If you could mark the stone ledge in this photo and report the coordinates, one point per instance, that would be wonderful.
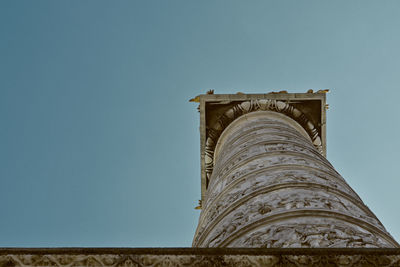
(199, 257)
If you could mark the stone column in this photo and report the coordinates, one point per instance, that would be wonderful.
(271, 187)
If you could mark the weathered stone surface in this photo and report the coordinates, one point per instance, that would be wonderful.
(198, 257)
(270, 186)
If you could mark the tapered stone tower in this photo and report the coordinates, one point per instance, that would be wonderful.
(265, 179)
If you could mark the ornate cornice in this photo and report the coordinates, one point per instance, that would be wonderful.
(215, 131)
(199, 257)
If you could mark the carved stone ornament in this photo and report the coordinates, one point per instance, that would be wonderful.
(245, 107)
(272, 187)
(200, 257)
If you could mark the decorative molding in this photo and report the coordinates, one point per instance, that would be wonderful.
(199, 257)
(215, 131)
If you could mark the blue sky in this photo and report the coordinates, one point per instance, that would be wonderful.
(99, 144)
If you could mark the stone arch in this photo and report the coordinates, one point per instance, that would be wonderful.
(215, 131)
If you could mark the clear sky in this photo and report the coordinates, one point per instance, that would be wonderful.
(99, 145)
